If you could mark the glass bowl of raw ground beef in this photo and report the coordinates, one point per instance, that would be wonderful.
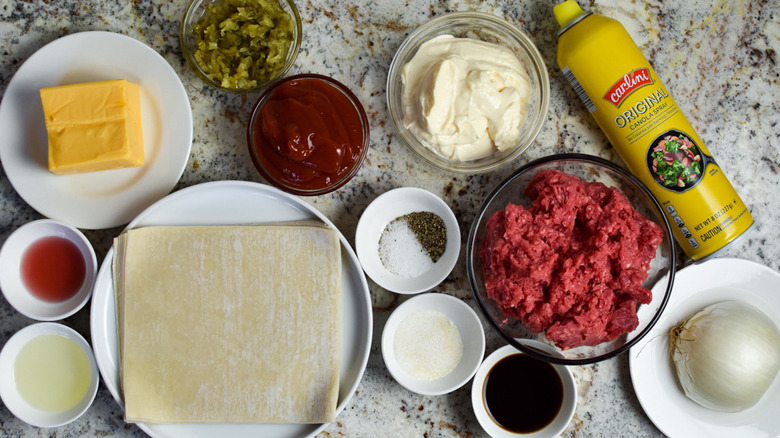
(565, 251)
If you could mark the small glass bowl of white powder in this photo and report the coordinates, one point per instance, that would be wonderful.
(408, 240)
(433, 343)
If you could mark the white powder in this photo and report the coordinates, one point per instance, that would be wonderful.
(427, 345)
(400, 251)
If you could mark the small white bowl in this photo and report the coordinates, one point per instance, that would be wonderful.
(388, 207)
(11, 281)
(471, 334)
(9, 391)
(558, 424)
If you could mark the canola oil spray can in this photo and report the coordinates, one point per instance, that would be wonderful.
(649, 131)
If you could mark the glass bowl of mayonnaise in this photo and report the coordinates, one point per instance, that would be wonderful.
(468, 92)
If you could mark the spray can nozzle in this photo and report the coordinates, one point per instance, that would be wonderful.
(566, 12)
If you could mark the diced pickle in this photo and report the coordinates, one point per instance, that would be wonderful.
(241, 43)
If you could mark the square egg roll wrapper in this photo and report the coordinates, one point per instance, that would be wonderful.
(229, 324)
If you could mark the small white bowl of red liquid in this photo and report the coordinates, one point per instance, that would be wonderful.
(433, 343)
(47, 270)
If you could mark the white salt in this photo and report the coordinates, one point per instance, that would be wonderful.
(427, 345)
(400, 251)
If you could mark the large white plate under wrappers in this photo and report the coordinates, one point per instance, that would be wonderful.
(232, 203)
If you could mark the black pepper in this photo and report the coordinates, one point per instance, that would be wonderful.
(430, 230)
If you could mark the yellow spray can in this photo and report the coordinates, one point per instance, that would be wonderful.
(649, 131)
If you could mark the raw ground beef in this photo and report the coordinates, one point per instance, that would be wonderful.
(573, 264)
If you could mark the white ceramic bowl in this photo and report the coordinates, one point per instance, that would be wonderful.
(388, 207)
(8, 388)
(14, 288)
(558, 424)
(471, 333)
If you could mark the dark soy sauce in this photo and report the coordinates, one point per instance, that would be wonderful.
(523, 394)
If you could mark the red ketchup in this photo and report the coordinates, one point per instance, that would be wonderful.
(308, 134)
(53, 269)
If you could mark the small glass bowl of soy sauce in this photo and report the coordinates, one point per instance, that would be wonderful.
(514, 394)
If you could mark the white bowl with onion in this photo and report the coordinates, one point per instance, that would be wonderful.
(433, 343)
(711, 371)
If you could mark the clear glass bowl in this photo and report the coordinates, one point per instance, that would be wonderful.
(198, 8)
(590, 169)
(305, 189)
(485, 27)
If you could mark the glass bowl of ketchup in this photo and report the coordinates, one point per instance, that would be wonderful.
(308, 135)
(47, 270)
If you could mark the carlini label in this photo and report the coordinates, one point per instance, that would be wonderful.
(629, 83)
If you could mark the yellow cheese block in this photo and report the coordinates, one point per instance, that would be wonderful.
(93, 126)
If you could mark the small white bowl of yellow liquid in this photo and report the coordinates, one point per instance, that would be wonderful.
(48, 375)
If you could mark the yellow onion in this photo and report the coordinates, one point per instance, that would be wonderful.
(726, 355)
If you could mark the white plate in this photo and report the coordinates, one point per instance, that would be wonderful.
(99, 199)
(224, 203)
(653, 374)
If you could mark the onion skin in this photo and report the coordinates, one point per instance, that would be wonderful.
(726, 355)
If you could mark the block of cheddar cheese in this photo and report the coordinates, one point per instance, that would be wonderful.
(93, 126)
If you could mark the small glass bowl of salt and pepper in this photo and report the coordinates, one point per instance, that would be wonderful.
(408, 240)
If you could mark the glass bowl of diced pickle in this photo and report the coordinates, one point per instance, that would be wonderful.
(240, 46)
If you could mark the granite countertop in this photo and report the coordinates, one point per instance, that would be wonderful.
(719, 58)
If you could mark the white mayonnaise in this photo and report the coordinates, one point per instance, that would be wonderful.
(464, 98)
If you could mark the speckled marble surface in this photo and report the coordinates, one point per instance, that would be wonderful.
(719, 58)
